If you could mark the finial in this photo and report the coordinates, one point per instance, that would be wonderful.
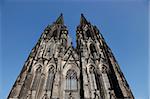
(60, 19)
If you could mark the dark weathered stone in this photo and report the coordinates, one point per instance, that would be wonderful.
(57, 70)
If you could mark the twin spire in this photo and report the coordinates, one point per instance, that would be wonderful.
(60, 20)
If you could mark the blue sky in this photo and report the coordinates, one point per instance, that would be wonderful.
(124, 25)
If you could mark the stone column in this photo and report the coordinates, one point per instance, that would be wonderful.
(33, 94)
(86, 85)
(55, 90)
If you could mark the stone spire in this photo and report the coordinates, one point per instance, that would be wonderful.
(83, 20)
(60, 19)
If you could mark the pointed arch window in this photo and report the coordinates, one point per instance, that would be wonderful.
(92, 77)
(50, 78)
(41, 50)
(71, 80)
(36, 78)
(96, 81)
(93, 50)
(49, 51)
(88, 33)
(55, 33)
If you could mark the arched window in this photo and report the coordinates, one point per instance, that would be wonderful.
(93, 50)
(71, 80)
(96, 81)
(50, 78)
(55, 34)
(49, 51)
(36, 78)
(41, 50)
(88, 34)
(92, 77)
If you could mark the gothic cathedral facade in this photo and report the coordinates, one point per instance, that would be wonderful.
(57, 70)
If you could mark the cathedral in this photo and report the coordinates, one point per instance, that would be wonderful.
(57, 70)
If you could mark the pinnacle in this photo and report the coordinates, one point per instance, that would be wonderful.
(60, 19)
(83, 19)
